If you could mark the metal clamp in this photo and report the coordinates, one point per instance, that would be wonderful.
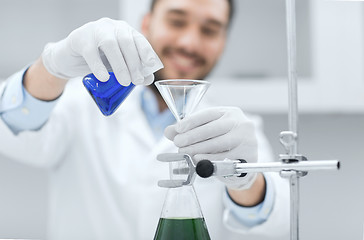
(286, 158)
(288, 139)
(189, 170)
(231, 167)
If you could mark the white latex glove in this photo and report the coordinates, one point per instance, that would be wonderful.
(99, 45)
(215, 134)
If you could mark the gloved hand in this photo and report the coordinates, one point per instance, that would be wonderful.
(215, 134)
(96, 46)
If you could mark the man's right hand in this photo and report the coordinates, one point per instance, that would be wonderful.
(99, 45)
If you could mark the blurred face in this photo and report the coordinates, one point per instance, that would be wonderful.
(188, 36)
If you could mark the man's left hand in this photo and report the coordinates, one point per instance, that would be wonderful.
(216, 134)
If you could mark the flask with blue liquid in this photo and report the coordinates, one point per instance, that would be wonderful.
(107, 95)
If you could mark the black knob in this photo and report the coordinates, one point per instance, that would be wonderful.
(205, 168)
(243, 174)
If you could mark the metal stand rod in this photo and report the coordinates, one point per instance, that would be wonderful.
(295, 196)
(293, 114)
(292, 71)
(206, 168)
(280, 166)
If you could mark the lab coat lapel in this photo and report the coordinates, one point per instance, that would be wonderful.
(139, 127)
(141, 130)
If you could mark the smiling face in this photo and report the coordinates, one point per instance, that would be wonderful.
(188, 36)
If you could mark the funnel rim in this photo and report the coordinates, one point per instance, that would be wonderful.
(160, 82)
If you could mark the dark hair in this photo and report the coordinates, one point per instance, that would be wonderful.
(230, 2)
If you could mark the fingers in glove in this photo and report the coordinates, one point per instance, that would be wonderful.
(201, 133)
(149, 79)
(93, 60)
(239, 183)
(114, 56)
(218, 144)
(170, 132)
(197, 119)
(248, 153)
(150, 60)
(130, 54)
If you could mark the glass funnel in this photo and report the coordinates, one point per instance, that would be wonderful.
(182, 95)
(181, 217)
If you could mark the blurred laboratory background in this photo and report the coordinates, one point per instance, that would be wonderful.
(252, 75)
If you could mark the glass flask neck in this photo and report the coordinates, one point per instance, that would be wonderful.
(181, 202)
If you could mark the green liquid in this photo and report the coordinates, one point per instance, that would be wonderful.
(182, 229)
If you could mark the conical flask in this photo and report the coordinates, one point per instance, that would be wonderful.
(107, 95)
(181, 217)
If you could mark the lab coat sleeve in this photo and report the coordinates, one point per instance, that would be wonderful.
(253, 216)
(41, 148)
(21, 111)
(277, 223)
(273, 213)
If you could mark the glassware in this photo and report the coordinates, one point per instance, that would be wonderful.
(107, 95)
(181, 217)
(182, 95)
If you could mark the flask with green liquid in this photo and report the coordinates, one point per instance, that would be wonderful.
(181, 217)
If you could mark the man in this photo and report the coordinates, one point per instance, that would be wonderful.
(103, 171)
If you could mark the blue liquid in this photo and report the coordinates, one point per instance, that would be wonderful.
(107, 95)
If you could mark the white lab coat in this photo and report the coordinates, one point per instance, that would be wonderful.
(103, 174)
